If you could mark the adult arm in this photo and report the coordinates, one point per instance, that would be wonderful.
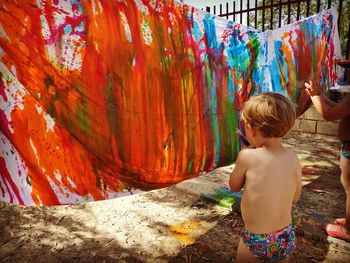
(329, 102)
(329, 111)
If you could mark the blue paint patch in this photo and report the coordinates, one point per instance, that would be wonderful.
(275, 70)
(210, 31)
(79, 6)
(231, 88)
(80, 28)
(68, 29)
(197, 33)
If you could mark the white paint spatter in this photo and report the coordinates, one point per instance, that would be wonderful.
(50, 122)
(158, 6)
(18, 171)
(126, 27)
(96, 7)
(3, 34)
(70, 43)
(14, 92)
(146, 33)
(64, 194)
(36, 155)
(140, 6)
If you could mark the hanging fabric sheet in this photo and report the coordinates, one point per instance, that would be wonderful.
(99, 98)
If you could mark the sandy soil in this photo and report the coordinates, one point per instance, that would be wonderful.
(171, 225)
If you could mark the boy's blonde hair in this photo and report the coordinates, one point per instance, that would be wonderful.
(271, 113)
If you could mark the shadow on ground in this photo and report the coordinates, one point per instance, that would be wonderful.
(130, 229)
(39, 236)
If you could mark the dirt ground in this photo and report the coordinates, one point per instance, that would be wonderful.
(173, 225)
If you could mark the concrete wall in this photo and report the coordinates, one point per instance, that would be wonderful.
(312, 122)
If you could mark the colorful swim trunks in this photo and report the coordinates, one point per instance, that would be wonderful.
(345, 150)
(271, 247)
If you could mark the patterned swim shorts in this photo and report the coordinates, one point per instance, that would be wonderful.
(271, 247)
(345, 150)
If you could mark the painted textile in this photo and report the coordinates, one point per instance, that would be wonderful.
(98, 98)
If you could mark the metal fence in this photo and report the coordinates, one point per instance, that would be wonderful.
(270, 14)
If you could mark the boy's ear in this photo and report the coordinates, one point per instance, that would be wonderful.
(252, 129)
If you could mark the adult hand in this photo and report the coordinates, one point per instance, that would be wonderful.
(313, 88)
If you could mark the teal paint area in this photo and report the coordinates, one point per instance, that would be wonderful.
(223, 197)
(277, 68)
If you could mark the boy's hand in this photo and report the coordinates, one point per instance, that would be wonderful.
(313, 88)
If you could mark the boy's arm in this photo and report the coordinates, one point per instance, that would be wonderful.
(298, 189)
(237, 177)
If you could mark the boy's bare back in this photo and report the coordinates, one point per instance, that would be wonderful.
(272, 184)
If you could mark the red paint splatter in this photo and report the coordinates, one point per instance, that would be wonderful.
(6, 178)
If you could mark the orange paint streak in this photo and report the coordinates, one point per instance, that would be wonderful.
(55, 151)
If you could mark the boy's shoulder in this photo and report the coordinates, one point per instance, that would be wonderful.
(292, 157)
(248, 153)
(291, 152)
(258, 151)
